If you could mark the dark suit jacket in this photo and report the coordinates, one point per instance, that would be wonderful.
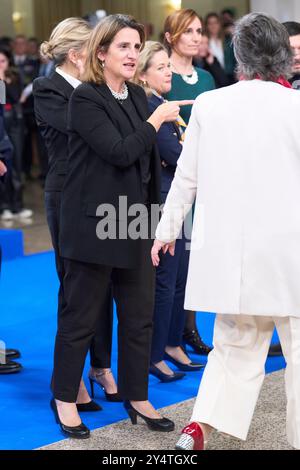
(51, 100)
(104, 163)
(6, 148)
(169, 147)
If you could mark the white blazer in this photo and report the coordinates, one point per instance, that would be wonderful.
(241, 163)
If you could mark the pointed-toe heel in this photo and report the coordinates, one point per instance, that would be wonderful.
(75, 432)
(90, 406)
(156, 372)
(191, 438)
(192, 367)
(160, 424)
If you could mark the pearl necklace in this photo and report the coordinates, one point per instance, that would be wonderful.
(120, 96)
(189, 79)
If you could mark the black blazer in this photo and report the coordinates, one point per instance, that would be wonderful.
(104, 163)
(51, 100)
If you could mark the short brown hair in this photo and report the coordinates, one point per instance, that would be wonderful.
(176, 24)
(100, 40)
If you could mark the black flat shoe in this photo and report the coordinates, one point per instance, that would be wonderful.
(75, 432)
(160, 424)
(193, 339)
(153, 370)
(12, 354)
(275, 350)
(193, 366)
(90, 406)
(112, 397)
(10, 367)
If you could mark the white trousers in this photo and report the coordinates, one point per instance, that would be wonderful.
(235, 372)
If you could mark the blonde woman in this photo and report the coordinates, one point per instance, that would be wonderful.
(67, 47)
(154, 72)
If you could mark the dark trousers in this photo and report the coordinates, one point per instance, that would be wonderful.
(13, 190)
(169, 313)
(85, 291)
(100, 351)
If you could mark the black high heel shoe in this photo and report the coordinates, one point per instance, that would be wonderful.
(112, 397)
(185, 367)
(76, 432)
(160, 424)
(90, 406)
(153, 370)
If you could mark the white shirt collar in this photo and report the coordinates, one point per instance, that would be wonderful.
(74, 82)
(19, 59)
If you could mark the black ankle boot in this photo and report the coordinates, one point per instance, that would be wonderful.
(193, 339)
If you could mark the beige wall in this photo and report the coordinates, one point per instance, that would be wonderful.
(6, 24)
(137, 8)
(39, 16)
(26, 24)
(205, 6)
(287, 10)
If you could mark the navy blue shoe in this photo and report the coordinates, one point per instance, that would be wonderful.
(193, 366)
(153, 370)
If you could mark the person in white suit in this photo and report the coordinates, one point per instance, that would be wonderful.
(245, 248)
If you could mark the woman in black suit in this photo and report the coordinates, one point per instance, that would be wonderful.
(113, 162)
(67, 46)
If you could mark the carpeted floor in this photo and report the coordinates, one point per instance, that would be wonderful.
(267, 431)
(28, 292)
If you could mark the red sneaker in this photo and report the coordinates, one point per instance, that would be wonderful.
(191, 438)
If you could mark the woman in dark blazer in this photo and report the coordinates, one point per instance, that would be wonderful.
(51, 98)
(154, 72)
(113, 163)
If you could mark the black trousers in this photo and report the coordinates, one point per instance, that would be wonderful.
(169, 313)
(85, 291)
(101, 344)
(13, 191)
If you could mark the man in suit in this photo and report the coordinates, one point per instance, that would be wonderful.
(28, 68)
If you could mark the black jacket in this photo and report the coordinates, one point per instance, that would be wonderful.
(51, 100)
(104, 163)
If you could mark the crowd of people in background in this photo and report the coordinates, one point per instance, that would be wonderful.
(21, 63)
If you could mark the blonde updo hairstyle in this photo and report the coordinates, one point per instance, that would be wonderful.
(144, 62)
(71, 33)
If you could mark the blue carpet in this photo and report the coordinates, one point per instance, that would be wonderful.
(28, 321)
(11, 242)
